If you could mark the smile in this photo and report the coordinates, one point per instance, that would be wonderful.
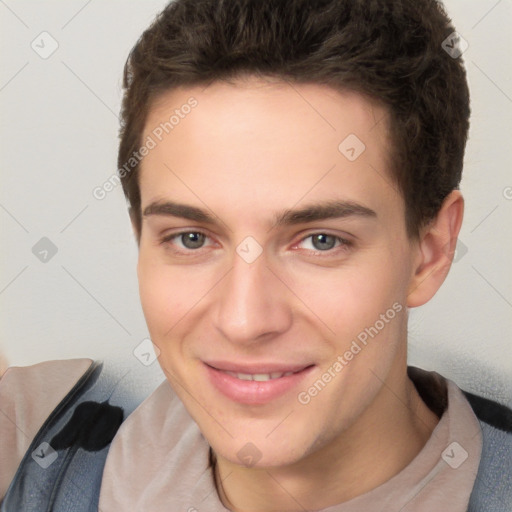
(260, 377)
(257, 387)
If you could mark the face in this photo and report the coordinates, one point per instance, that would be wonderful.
(274, 263)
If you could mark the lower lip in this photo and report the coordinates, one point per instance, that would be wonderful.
(253, 392)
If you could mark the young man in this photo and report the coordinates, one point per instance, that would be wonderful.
(292, 173)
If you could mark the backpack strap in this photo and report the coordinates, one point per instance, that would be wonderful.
(492, 491)
(63, 468)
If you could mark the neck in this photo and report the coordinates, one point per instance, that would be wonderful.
(382, 442)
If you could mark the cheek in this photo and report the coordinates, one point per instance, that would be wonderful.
(349, 298)
(170, 294)
(164, 302)
(161, 303)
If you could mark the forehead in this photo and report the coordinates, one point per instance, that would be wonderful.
(250, 104)
(274, 141)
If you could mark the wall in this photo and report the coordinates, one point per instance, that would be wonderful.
(58, 142)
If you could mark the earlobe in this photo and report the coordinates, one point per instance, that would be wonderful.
(436, 248)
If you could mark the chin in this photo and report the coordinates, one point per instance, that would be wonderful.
(256, 454)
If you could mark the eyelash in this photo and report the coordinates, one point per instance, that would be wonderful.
(344, 244)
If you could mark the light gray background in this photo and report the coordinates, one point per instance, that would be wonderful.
(59, 141)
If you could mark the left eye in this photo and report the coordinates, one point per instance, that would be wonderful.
(322, 242)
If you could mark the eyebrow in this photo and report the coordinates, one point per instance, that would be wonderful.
(183, 211)
(311, 213)
(323, 211)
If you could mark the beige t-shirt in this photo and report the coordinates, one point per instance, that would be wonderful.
(159, 460)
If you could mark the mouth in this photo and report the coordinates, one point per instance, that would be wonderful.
(260, 377)
(255, 384)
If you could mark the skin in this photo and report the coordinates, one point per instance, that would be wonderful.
(248, 151)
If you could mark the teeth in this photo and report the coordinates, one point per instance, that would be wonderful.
(260, 377)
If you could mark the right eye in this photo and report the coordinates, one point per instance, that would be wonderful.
(186, 241)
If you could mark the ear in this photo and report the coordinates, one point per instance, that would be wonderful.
(436, 248)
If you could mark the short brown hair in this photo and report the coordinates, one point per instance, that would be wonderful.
(388, 50)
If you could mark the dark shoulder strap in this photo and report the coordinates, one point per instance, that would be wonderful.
(63, 467)
(497, 415)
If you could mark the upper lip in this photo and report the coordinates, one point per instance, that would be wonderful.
(253, 368)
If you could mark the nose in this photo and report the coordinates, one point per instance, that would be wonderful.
(252, 303)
